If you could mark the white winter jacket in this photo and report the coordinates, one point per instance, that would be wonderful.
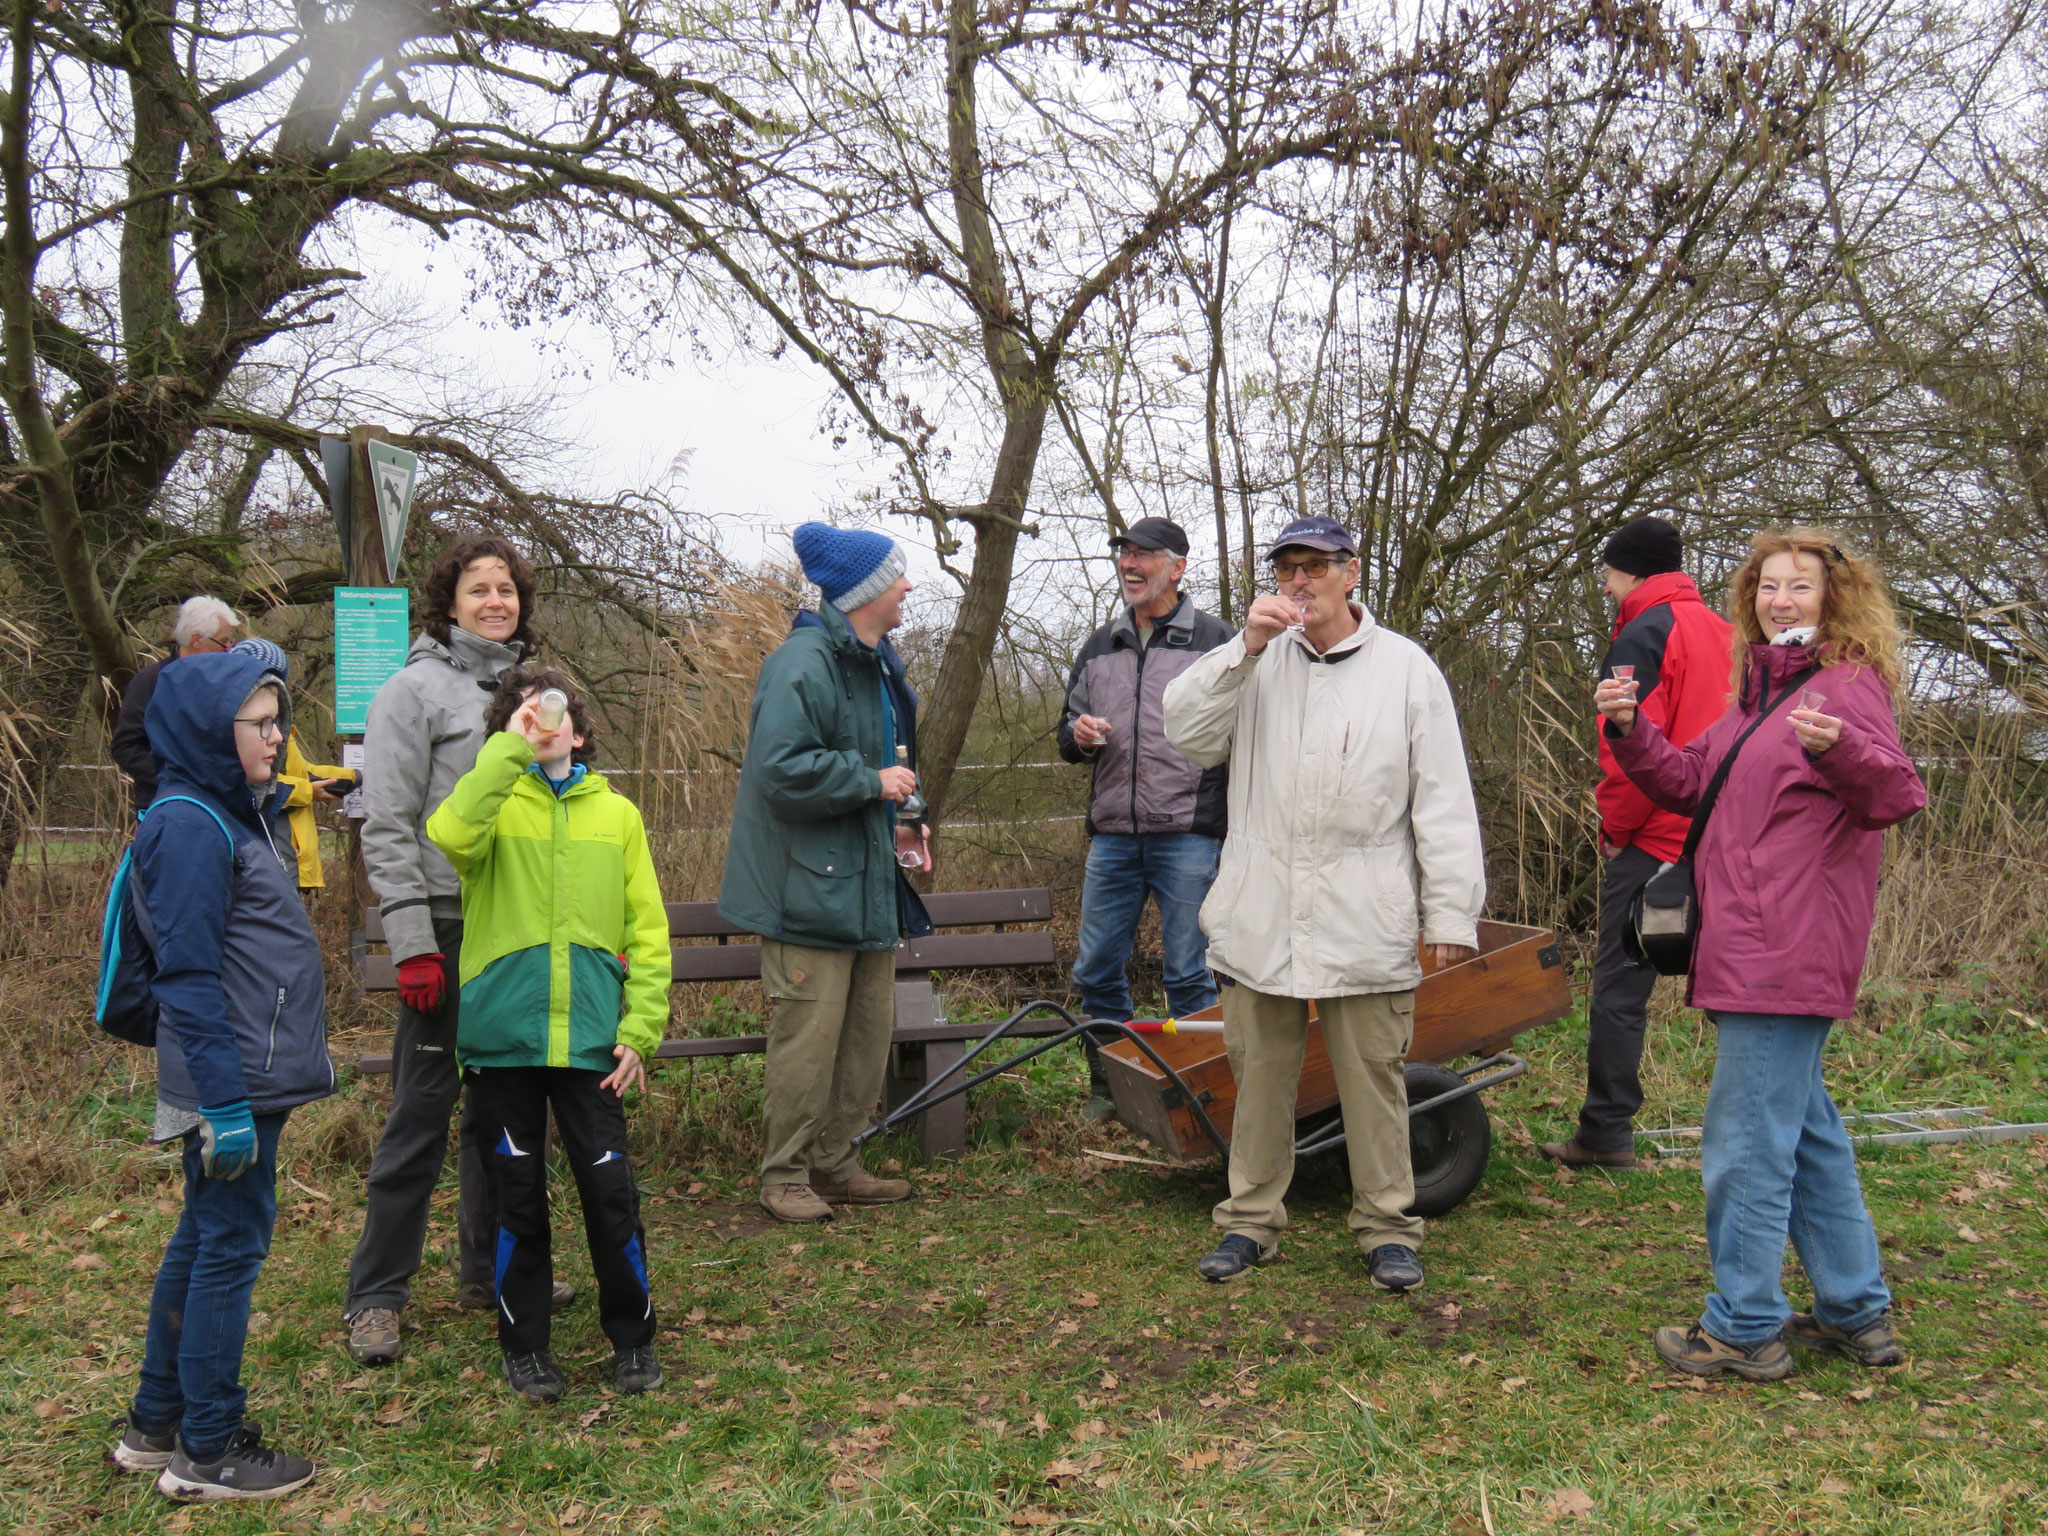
(1352, 826)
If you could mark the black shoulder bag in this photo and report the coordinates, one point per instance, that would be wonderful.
(1664, 919)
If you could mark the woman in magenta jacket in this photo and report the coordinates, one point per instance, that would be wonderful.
(1786, 872)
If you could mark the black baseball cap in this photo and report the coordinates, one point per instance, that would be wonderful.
(1152, 533)
(1324, 533)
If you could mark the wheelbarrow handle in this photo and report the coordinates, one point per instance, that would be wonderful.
(931, 1093)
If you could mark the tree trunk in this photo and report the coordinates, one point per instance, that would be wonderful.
(949, 711)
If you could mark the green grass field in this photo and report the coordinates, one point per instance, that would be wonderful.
(1024, 1347)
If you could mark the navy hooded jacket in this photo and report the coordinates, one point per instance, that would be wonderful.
(240, 989)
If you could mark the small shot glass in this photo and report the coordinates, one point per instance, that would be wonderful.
(1302, 602)
(1624, 674)
(1812, 698)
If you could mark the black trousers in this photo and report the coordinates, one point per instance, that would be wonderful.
(512, 1110)
(1618, 1013)
(425, 1083)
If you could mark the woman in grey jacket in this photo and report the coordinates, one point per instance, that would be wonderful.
(425, 728)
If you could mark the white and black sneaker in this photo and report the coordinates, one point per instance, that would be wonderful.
(142, 1450)
(245, 1469)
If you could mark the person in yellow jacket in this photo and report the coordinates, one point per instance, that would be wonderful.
(564, 974)
(305, 784)
(308, 784)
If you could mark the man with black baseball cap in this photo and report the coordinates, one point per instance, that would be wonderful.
(1682, 656)
(1155, 819)
(1354, 840)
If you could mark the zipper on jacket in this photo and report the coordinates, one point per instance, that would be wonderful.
(270, 1055)
(1137, 715)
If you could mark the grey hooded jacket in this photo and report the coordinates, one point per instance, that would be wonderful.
(1142, 783)
(426, 726)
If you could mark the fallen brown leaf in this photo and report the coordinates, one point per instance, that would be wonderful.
(1569, 1504)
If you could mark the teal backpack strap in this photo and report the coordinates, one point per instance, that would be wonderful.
(189, 800)
(118, 895)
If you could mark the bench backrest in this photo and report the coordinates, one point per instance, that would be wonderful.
(724, 960)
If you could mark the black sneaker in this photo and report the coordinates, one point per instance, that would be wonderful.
(1234, 1256)
(142, 1450)
(245, 1469)
(636, 1370)
(535, 1377)
(1395, 1267)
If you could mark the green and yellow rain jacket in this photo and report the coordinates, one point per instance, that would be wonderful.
(555, 887)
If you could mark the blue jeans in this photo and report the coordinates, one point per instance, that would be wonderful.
(1175, 869)
(1778, 1164)
(199, 1311)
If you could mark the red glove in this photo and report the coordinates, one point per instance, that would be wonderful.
(423, 982)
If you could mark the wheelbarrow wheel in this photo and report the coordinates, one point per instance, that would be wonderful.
(1449, 1145)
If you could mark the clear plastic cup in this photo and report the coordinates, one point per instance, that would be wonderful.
(1812, 698)
(1302, 601)
(1625, 674)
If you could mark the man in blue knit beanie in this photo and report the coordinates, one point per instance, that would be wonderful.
(812, 868)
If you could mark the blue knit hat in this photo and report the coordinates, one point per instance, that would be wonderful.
(850, 566)
(268, 652)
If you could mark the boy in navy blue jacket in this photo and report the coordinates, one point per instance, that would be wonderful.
(241, 1042)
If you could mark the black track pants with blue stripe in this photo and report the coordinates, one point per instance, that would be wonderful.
(512, 1112)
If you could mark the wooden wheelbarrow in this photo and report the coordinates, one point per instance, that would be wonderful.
(1175, 1088)
(1473, 1009)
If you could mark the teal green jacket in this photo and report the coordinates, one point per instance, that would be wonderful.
(557, 890)
(812, 857)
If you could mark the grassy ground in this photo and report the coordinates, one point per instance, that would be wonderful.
(1024, 1347)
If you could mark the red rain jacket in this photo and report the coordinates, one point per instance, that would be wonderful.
(1684, 656)
(1787, 868)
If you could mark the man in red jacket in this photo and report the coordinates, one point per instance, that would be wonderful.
(1682, 653)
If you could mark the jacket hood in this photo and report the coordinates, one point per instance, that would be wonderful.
(1778, 664)
(1666, 587)
(841, 634)
(1181, 616)
(465, 651)
(191, 720)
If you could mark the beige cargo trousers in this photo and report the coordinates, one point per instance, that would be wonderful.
(1368, 1036)
(831, 1014)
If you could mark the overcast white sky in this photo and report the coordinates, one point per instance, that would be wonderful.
(758, 464)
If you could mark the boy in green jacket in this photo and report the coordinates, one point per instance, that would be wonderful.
(558, 890)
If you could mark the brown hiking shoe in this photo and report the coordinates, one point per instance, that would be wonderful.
(482, 1296)
(794, 1203)
(1572, 1155)
(1876, 1345)
(373, 1336)
(1699, 1352)
(861, 1188)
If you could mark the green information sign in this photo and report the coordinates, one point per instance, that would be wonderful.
(372, 630)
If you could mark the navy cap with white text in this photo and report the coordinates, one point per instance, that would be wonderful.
(1324, 533)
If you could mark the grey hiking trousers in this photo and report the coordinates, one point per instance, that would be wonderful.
(425, 1084)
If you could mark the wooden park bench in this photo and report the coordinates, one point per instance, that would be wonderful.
(924, 1043)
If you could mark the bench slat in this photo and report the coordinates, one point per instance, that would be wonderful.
(376, 1063)
(742, 962)
(948, 909)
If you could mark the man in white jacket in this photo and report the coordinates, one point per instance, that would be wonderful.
(1353, 840)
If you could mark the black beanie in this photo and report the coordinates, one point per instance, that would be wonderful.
(1648, 546)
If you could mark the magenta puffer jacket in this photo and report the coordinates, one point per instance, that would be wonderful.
(1787, 867)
